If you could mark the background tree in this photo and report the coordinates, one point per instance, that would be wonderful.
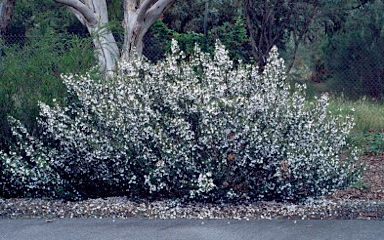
(330, 40)
(353, 54)
(188, 15)
(271, 23)
(138, 18)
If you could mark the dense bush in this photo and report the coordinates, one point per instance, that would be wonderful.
(195, 128)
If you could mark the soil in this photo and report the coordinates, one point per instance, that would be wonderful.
(372, 183)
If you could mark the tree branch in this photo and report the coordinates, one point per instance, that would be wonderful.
(156, 9)
(144, 7)
(298, 39)
(80, 7)
(255, 50)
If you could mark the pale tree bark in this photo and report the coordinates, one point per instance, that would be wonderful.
(94, 15)
(6, 14)
(138, 18)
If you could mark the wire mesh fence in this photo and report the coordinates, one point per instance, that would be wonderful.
(354, 72)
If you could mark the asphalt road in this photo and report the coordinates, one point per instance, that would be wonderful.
(95, 229)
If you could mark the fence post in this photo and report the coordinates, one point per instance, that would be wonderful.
(206, 19)
(1, 13)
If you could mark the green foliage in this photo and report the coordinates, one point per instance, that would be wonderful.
(361, 185)
(186, 41)
(232, 36)
(43, 13)
(235, 39)
(188, 15)
(369, 143)
(31, 73)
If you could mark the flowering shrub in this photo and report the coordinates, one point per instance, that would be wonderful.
(193, 127)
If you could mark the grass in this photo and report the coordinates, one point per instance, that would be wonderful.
(368, 133)
(361, 185)
(368, 114)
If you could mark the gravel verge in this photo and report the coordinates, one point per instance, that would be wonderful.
(121, 208)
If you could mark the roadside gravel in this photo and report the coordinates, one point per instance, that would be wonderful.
(121, 208)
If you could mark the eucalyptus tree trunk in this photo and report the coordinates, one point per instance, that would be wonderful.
(94, 15)
(6, 13)
(138, 18)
